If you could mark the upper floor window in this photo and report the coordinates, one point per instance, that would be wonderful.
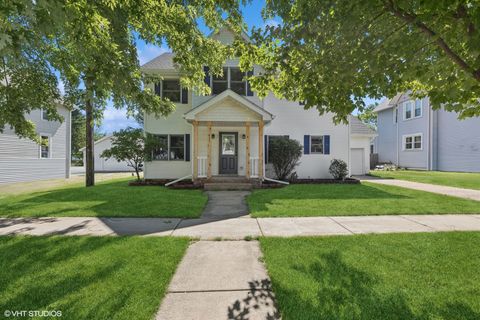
(44, 147)
(233, 78)
(220, 83)
(395, 115)
(172, 90)
(44, 114)
(412, 109)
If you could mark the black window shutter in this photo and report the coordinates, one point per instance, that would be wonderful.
(206, 70)
(157, 88)
(306, 144)
(187, 147)
(184, 95)
(265, 147)
(249, 89)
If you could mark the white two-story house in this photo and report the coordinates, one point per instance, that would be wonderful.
(24, 160)
(413, 135)
(229, 131)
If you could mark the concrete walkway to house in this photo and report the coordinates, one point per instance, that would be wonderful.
(445, 190)
(239, 228)
(226, 204)
(220, 280)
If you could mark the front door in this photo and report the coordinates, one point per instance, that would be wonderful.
(228, 152)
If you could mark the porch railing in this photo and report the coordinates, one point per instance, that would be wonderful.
(254, 167)
(202, 167)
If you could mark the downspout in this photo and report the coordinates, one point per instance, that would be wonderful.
(348, 146)
(396, 138)
(430, 140)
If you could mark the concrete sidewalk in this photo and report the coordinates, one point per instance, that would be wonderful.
(445, 190)
(239, 228)
(220, 280)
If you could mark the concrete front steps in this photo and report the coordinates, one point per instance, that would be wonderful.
(229, 183)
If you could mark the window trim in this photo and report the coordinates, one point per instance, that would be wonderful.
(49, 146)
(323, 144)
(43, 112)
(168, 135)
(181, 89)
(413, 109)
(413, 135)
(245, 75)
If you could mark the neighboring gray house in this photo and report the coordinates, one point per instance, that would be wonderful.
(412, 135)
(25, 160)
(102, 164)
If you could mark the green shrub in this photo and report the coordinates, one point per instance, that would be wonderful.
(338, 169)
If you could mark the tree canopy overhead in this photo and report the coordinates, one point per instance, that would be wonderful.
(334, 53)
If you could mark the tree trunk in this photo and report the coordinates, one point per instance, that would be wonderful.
(89, 159)
(137, 172)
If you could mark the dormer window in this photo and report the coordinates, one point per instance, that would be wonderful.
(233, 78)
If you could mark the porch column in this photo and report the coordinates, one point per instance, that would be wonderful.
(247, 142)
(195, 149)
(209, 153)
(260, 149)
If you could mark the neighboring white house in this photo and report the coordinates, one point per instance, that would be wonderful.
(25, 160)
(228, 132)
(412, 135)
(102, 164)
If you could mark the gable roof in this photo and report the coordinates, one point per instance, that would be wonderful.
(266, 116)
(162, 62)
(98, 141)
(360, 128)
(388, 103)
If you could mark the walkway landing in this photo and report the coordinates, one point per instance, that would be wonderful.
(445, 190)
(220, 280)
(239, 228)
(226, 204)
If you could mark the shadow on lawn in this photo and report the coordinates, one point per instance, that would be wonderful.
(323, 192)
(345, 292)
(38, 273)
(107, 199)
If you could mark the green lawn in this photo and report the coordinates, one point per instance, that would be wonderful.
(88, 277)
(352, 200)
(113, 198)
(395, 276)
(452, 179)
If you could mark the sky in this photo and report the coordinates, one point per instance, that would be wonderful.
(115, 119)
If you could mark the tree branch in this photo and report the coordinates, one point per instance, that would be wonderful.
(440, 42)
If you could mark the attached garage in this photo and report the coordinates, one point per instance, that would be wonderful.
(361, 137)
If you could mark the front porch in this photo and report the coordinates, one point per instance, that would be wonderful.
(227, 133)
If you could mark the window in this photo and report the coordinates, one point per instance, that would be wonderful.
(269, 143)
(220, 83)
(237, 83)
(43, 114)
(407, 110)
(177, 147)
(160, 150)
(316, 144)
(233, 78)
(44, 147)
(171, 90)
(412, 142)
(418, 108)
(395, 115)
(412, 109)
(169, 147)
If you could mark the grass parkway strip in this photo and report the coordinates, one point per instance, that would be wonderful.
(88, 277)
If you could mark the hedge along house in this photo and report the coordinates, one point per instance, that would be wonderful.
(228, 133)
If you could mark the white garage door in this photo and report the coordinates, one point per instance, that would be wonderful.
(357, 163)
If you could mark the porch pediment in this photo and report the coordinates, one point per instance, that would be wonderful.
(228, 106)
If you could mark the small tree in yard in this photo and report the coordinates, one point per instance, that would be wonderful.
(284, 155)
(128, 145)
(338, 169)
